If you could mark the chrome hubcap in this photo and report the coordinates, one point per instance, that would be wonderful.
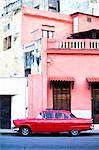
(74, 132)
(25, 131)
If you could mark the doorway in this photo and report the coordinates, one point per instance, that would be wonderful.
(5, 111)
(61, 95)
(95, 103)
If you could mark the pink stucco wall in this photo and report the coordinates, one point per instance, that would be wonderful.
(59, 62)
(37, 87)
(84, 25)
(34, 94)
(61, 24)
(79, 66)
(38, 20)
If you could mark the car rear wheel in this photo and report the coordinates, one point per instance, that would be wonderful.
(25, 131)
(74, 132)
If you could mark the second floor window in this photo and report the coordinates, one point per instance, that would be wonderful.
(29, 59)
(48, 34)
(89, 19)
(75, 25)
(7, 42)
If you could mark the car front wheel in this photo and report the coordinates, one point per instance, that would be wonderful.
(74, 132)
(25, 131)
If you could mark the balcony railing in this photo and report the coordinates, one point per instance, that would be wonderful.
(74, 44)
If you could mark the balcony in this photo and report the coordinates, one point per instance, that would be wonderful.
(74, 44)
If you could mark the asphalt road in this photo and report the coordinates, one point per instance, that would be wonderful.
(49, 142)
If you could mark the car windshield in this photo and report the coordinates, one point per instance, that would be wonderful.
(72, 116)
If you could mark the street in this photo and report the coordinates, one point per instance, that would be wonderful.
(49, 142)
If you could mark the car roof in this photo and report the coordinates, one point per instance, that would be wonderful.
(54, 111)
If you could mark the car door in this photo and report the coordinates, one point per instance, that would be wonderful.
(61, 122)
(45, 124)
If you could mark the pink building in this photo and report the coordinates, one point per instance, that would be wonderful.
(69, 75)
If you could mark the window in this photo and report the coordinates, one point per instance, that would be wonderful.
(72, 116)
(75, 25)
(29, 59)
(61, 95)
(48, 115)
(48, 34)
(54, 5)
(27, 72)
(44, 33)
(7, 42)
(65, 116)
(60, 115)
(89, 19)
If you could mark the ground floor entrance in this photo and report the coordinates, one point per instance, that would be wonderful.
(61, 95)
(95, 102)
(5, 111)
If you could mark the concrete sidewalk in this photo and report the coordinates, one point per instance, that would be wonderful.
(11, 131)
(7, 131)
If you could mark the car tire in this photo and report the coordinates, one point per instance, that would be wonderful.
(74, 132)
(25, 131)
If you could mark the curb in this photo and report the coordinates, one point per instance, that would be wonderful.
(11, 131)
(7, 131)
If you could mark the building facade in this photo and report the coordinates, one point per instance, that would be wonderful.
(83, 6)
(39, 53)
(94, 7)
(69, 77)
(69, 80)
(62, 6)
(13, 100)
(13, 84)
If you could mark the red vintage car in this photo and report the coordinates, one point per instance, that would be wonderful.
(53, 121)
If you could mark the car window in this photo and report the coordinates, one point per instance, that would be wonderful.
(48, 115)
(60, 115)
(39, 116)
(65, 116)
(72, 116)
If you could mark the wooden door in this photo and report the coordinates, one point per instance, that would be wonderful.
(61, 96)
